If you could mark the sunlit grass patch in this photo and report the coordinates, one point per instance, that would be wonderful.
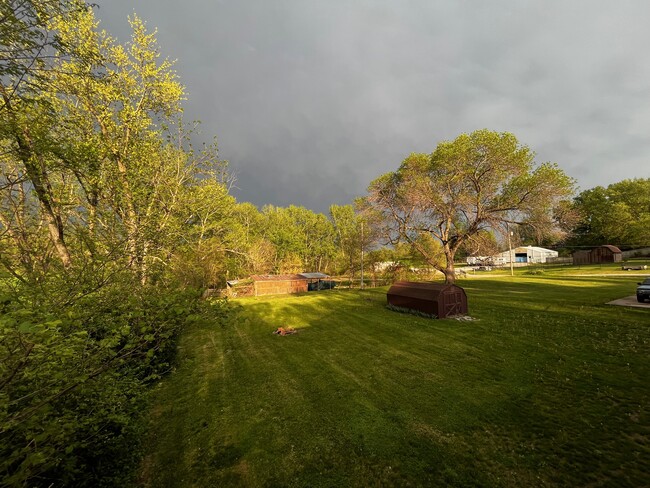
(548, 386)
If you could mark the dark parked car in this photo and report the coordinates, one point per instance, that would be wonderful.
(643, 290)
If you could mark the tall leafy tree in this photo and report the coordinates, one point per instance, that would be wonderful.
(349, 236)
(618, 214)
(475, 183)
(96, 198)
(91, 146)
(247, 234)
(120, 111)
(302, 239)
(316, 236)
(31, 50)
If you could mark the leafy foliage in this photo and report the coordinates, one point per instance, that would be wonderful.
(474, 184)
(96, 200)
(74, 380)
(28, 41)
(618, 214)
(348, 235)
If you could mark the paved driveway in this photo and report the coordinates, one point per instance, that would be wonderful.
(630, 302)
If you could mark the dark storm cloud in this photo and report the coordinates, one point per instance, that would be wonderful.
(311, 100)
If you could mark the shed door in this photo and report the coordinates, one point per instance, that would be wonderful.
(453, 303)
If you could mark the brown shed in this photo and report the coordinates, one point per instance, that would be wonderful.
(606, 254)
(278, 284)
(438, 299)
(601, 254)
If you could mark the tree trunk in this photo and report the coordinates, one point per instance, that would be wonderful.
(37, 174)
(450, 276)
(351, 272)
(130, 217)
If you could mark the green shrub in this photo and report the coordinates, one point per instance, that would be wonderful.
(73, 380)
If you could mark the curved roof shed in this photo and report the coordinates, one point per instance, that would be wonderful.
(438, 299)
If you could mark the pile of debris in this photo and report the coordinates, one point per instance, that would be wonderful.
(464, 318)
(282, 331)
(634, 268)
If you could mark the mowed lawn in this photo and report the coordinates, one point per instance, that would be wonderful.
(547, 386)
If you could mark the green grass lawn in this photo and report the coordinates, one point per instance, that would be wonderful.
(548, 386)
(570, 270)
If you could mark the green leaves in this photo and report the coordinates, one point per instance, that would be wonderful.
(26, 327)
(73, 380)
(99, 191)
(469, 185)
(618, 215)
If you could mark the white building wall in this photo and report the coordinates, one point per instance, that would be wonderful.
(533, 255)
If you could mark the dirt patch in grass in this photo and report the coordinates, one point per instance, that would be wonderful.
(630, 301)
(283, 331)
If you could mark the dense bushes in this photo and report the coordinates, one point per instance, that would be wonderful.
(73, 380)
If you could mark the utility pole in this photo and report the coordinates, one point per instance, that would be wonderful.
(512, 269)
(361, 255)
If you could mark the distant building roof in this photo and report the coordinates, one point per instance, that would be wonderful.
(314, 276)
(522, 249)
(285, 277)
(533, 248)
(612, 248)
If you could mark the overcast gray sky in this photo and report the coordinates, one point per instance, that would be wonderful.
(311, 100)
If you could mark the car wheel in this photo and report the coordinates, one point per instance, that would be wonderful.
(640, 299)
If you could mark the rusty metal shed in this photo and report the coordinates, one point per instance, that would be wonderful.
(438, 299)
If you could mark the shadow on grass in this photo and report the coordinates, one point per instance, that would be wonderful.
(547, 387)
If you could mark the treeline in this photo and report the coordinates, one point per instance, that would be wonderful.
(618, 214)
(275, 240)
(243, 240)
